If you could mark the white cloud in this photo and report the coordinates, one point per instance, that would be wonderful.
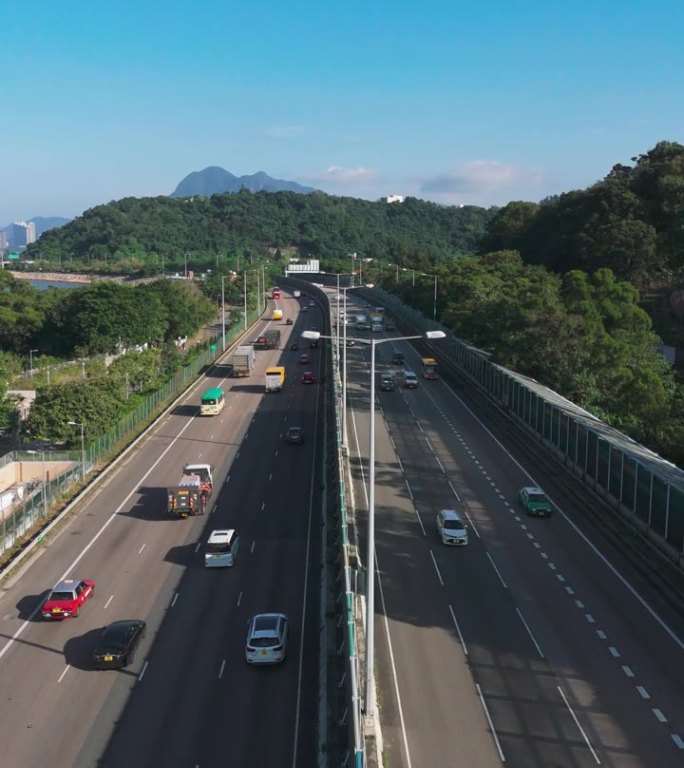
(481, 178)
(335, 174)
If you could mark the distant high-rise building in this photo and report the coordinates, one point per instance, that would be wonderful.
(3, 241)
(22, 234)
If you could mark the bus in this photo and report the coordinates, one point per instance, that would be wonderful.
(429, 368)
(213, 401)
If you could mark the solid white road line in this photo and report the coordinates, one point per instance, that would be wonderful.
(439, 575)
(239, 599)
(491, 724)
(505, 586)
(140, 551)
(529, 632)
(143, 670)
(579, 727)
(175, 597)
(458, 498)
(223, 666)
(108, 601)
(197, 548)
(61, 677)
(458, 629)
(422, 527)
(253, 545)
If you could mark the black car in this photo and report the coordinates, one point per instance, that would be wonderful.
(295, 435)
(398, 358)
(288, 321)
(117, 644)
(294, 346)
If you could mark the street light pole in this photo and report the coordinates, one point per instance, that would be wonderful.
(31, 351)
(223, 311)
(81, 425)
(244, 285)
(434, 303)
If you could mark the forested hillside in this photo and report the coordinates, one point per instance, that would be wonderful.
(631, 222)
(141, 233)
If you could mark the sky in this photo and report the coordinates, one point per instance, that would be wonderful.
(460, 103)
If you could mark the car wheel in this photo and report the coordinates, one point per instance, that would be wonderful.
(77, 612)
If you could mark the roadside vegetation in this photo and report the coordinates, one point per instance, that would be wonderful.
(576, 291)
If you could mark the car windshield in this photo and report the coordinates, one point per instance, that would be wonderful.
(218, 548)
(453, 525)
(264, 642)
(115, 637)
(538, 498)
(62, 596)
(294, 431)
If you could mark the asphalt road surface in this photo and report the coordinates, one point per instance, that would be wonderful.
(526, 647)
(189, 698)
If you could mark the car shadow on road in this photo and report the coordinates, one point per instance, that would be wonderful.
(151, 504)
(253, 388)
(185, 410)
(29, 604)
(182, 554)
(78, 651)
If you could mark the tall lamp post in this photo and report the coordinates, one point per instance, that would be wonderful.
(370, 556)
(31, 351)
(81, 425)
(44, 489)
(223, 312)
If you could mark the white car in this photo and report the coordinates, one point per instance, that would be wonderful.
(451, 527)
(267, 639)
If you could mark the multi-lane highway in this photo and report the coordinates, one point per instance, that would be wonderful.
(189, 699)
(526, 647)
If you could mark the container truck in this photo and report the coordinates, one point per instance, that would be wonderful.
(243, 361)
(272, 339)
(275, 379)
(192, 493)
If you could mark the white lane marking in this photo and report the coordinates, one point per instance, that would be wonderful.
(391, 657)
(197, 548)
(678, 740)
(472, 524)
(263, 504)
(270, 477)
(579, 727)
(109, 601)
(401, 466)
(544, 555)
(614, 652)
(583, 536)
(143, 670)
(643, 692)
(175, 597)
(103, 528)
(419, 426)
(659, 714)
(384, 610)
(589, 618)
(253, 545)
(140, 551)
(491, 724)
(560, 577)
(305, 587)
(439, 575)
(422, 527)
(458, 629)
(552, 566)
(458, 498)
(579, 603)
(228, 477)
(239, 599)
(536, 545)
(627, 670)
(276, 454)
(570, 590)
(408, 488)
(505, 586)
(61, 677)
(223, 666)
(529, 632)
(602, 635)
(440, 465)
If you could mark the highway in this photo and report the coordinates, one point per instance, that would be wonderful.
(189, 699)
(526, 647)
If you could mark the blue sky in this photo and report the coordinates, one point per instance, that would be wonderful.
(476, 103)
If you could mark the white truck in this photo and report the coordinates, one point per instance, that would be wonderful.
(297, 294)
(275, 379)
(243, 360)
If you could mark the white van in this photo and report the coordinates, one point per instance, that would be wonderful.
(222, 548)
(410, 380)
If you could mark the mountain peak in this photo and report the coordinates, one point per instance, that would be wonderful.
(215, 181)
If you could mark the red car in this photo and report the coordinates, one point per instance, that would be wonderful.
(66, 598)
(308, 378)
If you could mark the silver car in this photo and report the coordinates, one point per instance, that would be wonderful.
(267, 639)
